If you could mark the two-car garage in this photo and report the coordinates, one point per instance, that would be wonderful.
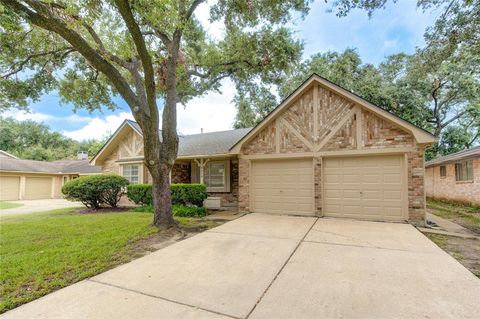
(14, 187)
(362, 187)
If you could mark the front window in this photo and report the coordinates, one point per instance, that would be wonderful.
(215, 176)
(131, 172)
(64, 180)
(443, 171)
(464, 171)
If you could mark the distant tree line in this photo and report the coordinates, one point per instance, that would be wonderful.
(35, 141)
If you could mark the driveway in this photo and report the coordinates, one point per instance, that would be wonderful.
(37, 206)
(262, 266)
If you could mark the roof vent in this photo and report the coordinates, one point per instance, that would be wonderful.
(82, 155)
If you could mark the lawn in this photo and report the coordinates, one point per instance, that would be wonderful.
(466, 216)
(7, 205)
(42, 252)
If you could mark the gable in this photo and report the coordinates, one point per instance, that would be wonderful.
(319, 106)
(320, 119)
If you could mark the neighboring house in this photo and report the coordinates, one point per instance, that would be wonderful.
(4, 154)
(455, 176)
(28, 179)
(322, 152)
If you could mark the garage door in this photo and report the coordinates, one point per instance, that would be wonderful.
(9, 187)
(365, 188)
(283, 187)
(38, 187)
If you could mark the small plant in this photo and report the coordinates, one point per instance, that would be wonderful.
(188, 211)
(182, 194)
(96, 190)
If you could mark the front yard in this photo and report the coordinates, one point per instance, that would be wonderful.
(7, 205)
(465, 250)
(42, 252)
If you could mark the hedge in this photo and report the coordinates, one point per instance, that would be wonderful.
(96, 190)
(188, 211)
(182, 194)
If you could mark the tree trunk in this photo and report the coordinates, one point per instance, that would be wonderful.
(162, 216)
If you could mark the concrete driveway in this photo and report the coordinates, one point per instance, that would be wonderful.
(37, 206)
(262, 266)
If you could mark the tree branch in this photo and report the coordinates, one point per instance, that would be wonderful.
(149, 81)
(192, 9)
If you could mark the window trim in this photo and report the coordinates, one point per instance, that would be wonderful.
(226, 176)
(140, 171)
(63, 179)
(465, 165)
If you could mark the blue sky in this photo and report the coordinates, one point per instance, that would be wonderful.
(398, 28)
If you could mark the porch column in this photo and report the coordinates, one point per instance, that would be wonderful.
(202, 162)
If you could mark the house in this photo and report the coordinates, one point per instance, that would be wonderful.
(322, 152)
(28, 179)
(4, 154)
(455, 177)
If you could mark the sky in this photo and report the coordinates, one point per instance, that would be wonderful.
(397, 28)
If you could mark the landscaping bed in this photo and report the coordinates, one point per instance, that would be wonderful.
(43, 252)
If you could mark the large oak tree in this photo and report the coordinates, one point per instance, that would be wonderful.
(149, 52)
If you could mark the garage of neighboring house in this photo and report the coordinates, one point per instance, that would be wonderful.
(326, 152)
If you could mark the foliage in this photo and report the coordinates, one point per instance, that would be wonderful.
(188, 194)
(96, 190)
(188, 211)
(181, 194)
(35, 141)
(140, 194)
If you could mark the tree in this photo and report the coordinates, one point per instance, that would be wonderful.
(141, 50)
(35, 141)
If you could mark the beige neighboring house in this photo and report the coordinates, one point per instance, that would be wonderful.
(455, 176)
(28, 179)
(322, 152)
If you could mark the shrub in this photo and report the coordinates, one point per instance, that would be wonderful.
(188, 211)
(140, 194)
(182, 194)
(95, 190)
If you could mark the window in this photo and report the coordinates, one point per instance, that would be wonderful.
(131, 172)
(215, 176)
(443, 171)
(64, 180)
(464, 171)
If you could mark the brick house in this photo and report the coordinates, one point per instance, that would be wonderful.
(455, 177)
(322, 152)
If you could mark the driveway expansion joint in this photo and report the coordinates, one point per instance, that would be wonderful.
(163, 298)
(282, 267)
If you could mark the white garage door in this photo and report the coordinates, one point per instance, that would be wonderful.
(38, 187)
(283, 187)
(370, 187)
(9, 187)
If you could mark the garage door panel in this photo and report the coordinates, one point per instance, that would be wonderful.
(283, 187)
(9, 187)
(378, 191)
(38, 187)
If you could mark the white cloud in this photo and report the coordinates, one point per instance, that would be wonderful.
(202, 13)
(213, 112)
(96, 128)
(42, 117)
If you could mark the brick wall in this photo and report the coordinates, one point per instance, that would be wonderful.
(448, 188)
(416, 186)
(181, 173)
(244, 181)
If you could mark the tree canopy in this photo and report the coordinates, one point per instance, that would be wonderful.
(35, 141)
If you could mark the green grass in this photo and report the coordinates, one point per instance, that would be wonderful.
(466, 216)
(46, 251)
(7, 205)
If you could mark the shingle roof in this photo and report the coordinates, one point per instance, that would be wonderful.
(55, 167)
(474, 152)
(4, 154)
(205, 143)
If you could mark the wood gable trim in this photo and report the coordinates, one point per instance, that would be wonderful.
(315, 81)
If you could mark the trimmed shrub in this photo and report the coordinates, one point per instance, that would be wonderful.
(188, 211)
(182, 194)
(95, 190)
(140, 194)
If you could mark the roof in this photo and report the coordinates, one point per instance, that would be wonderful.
(421, 135)
(474, 152)
(202, 144)
(4, 154)
(55, 167)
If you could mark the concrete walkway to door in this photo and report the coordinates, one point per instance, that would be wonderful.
(264, 266)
